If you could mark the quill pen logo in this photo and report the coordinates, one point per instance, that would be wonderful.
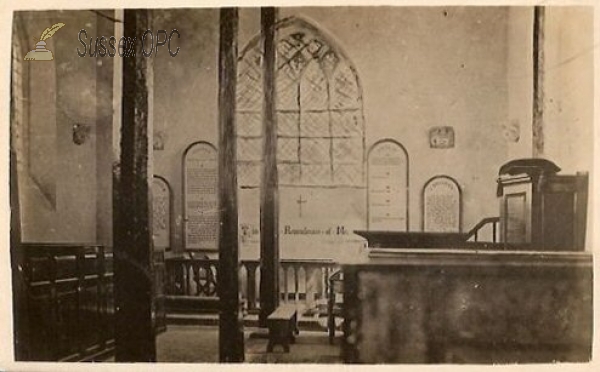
(40, 53)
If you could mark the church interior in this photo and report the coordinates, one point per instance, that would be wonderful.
(377, 184)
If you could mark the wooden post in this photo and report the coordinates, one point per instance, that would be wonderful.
(269, 203)
(17, 256)
(538, 82)
(134, 334)
(231, 336)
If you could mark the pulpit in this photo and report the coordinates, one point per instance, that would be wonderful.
(541, 209)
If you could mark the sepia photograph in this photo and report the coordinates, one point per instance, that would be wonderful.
(401, 185)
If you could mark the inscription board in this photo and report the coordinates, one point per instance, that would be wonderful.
(200, 183)
(388, 187)
(161, 213)
(313, 223)
(441, 205)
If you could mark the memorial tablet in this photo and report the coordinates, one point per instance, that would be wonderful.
(441, 205)
(387, 186)
(161, 213)
(200, 184)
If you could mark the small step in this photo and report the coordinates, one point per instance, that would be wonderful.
(192, 319)
(250, 320)
(191, 305)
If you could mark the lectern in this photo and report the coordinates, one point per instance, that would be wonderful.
(540, 209)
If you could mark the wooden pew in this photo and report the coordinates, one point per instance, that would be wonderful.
(70, 301)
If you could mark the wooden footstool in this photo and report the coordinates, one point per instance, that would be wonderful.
(283, 325)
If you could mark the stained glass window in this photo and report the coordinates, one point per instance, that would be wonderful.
(320, 122)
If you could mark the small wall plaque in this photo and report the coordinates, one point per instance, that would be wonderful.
(160, 137)
(512, 131)
(81, 133)
(441, 137)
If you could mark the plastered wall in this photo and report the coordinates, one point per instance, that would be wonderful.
(468, 68)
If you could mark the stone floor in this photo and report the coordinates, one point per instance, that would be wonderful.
(310, 347)
(188, 344)
(199, 344)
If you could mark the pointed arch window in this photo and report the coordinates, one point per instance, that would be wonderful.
(318, 106)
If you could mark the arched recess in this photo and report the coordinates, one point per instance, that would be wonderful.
(441, 205)
(162, 213)
(387, 186)
(200, 197)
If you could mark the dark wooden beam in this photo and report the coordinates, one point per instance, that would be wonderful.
(19, 284)
(231, 336)
(269, 208)
(134, 334)
(538, 82)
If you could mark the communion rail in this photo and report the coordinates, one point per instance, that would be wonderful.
(195, 280)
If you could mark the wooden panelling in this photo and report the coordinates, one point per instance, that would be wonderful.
(69, 300)
(468, 307)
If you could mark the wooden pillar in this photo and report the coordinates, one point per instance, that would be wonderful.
(269, 203)
(134, 334)
(538, 82)
(231, 336)
(17, 257)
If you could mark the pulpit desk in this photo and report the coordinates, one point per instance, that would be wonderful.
(465, 306)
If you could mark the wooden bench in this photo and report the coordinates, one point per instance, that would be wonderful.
(283, 325)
